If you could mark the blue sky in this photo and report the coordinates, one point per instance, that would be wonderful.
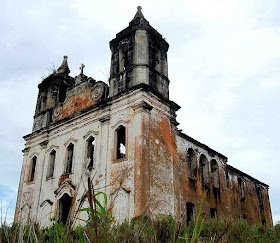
(223, 70)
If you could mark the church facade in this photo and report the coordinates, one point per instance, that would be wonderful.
(124, 137)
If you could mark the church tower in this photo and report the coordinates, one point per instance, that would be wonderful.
(139, 58)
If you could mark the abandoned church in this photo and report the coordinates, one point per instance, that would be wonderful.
(124, 137)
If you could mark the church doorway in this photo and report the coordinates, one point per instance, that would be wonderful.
(64, 208)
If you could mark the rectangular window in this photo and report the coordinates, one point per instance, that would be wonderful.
(32, 168)
(259, 195)
(215, 174)
(213, 213)
(70, 151)
(189, 212)
(192, 160)
(244, 217)
(51, 163)
(241, 189)
(121, 142)
(90, 152)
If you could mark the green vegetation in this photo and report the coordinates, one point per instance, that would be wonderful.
(143, 229)
(101, 227)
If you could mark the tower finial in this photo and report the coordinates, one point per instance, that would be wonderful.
(64, 66)
(139, 13)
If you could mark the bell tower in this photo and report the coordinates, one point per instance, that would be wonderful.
(139, 58)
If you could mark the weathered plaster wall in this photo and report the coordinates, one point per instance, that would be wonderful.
(229, 203)
(153, 178)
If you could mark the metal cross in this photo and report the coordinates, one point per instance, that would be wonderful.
(82, 68)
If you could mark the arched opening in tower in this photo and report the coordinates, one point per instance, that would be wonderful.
(64, 208)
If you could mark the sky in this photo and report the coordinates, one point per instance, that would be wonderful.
(223, 69)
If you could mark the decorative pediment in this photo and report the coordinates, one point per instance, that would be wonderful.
(46, 202)
(52, 147)
(70, 140)
(34, 154)
(90, 133)
(44, 143)
(120, 122)
(105, 119)
(142, 106)
(65, 187)
(26, 150)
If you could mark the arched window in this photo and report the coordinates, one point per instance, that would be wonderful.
(32, 169)
(204, 169)
(215, 174)
(192, 163)
(90, 152)
(69, 162)
(51, 163)
(120, 142)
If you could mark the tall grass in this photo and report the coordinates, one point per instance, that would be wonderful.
(144, 229)
(101, 227)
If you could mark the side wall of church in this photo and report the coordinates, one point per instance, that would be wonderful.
(227, 197)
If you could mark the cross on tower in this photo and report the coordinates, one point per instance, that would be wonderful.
(82, 68)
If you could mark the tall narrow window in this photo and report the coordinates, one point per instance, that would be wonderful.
(123, 57)
(51, 163)
(189, 212)
(90, 152)
(43, 100)
(213, 213)
(215, 174)
(62, 93)
(241, 188)
(227, 177)
(32, 168)
(192, 163)
(204, 169)
(70, 152)
(157, 60)
(259, 195)
(121, 142)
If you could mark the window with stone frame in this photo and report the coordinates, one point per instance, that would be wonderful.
(192, 162)
(69, 159)
(90, 152)
(32, 169)
(120, 142)
(51, 163)
(215, 174)
(204, 169)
